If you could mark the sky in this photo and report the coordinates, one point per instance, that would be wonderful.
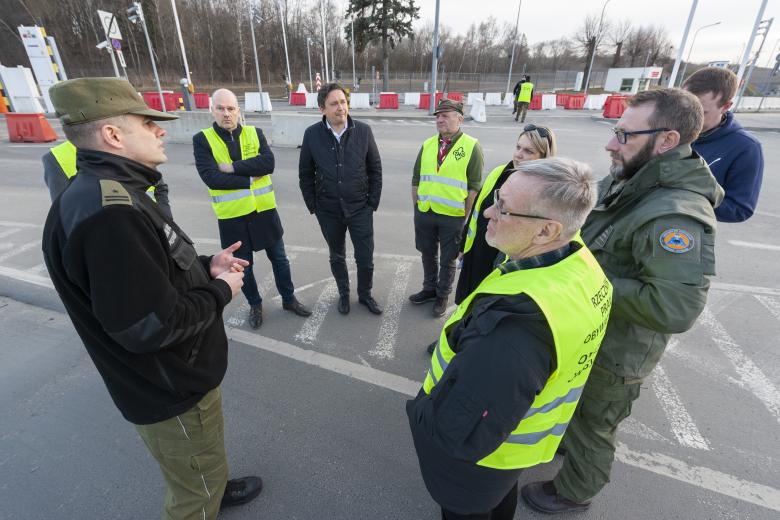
(550, 19)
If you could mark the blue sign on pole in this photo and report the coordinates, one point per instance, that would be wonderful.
(117, 44)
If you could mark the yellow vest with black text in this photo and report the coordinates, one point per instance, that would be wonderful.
(445, 191)
(237, 203)
(575, 297)
(486, 191)
(65, 153)
(524, 96)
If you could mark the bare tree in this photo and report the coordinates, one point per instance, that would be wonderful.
(617, 37)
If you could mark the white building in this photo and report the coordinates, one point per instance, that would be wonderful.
(631, 80)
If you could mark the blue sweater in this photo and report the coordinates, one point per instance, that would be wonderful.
(737, 162)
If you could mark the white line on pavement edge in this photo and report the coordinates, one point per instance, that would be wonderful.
(680, 421)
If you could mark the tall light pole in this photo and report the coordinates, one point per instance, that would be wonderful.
(681, 48)
(690, 49)
(514, 42)
(749, 46)
(596, 40)
(352, 29)
(324, 41)
(136, 14)
(254, 48)
(181, 43)
(764, 26)
(308, 55)
(434, 60)
(283, 18)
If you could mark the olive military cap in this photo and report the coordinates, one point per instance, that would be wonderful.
(448, 105)
(83, 100)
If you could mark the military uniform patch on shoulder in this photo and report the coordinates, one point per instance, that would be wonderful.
(676, 240)
(113, 192)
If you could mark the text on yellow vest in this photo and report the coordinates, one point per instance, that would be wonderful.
(444, 188)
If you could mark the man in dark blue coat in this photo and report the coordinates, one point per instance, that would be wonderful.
(733, 155)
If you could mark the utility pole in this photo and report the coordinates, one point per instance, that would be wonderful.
(434, 60)
(352, 29)
(595, 48)
(136, 14)
(254, 48)
(324, 41)
(749, 46)
(681, 48)
(181, 43)
(763, 26)
(283, 18)
(690, 49)
(308, 55)
(514, 42)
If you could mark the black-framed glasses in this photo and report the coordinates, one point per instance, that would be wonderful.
(500, 207)
(623, 135)
(541, 130)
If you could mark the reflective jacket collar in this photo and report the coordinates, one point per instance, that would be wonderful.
(109, 166)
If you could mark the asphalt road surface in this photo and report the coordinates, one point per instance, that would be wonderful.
(316, 405)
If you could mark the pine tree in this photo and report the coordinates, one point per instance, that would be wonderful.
(386, 21)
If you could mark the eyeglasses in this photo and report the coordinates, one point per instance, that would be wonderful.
(500, 207)
(542, 131)
(622, 135)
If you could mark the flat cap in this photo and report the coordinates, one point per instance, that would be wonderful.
(448, 105)
(83, 100)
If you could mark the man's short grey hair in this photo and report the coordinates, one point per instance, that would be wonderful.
(567, 193)
(87, 135)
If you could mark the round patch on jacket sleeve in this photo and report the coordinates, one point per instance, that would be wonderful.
(676, 240)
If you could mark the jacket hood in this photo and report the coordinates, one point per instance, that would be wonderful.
(728, 126)
(679, 168)
(115, 167)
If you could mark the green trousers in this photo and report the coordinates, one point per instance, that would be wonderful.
(190, 449)
(590, 437)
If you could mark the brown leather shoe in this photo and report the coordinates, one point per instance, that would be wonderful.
(543, 497)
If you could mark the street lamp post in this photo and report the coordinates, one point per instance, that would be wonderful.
(136, 14)
(283, 18)
(352, 29)
(324, 41)
(434, 60)
(595, 47)
(690, 49)
(181, 43)
(257, 62)
(514, 42)
(308, 55)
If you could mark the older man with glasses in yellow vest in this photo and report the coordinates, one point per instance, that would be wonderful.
(236, 164)
(59, 166)
(446, 179)
(512, 361)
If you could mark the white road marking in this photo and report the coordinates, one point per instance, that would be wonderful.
(388, 330)
(239, 317)
(9, 232)
(6, 223)
(702, 365)
(682, 425)
(771, 304)
(749, 289)
(40, 268)
(749, 373)
(308, 286)
(638, 429)
(311, 327)
(23, 276)
(767, 214)
(702, 477)
(20, 249)
(318, 250)
(754, 245)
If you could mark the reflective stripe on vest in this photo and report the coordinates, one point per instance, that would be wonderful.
(524, 96)
(445, 191)
(237, 203)
(487, 189)
(576, 299)
(65, 153)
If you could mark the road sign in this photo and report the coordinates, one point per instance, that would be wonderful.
(117, 44)
(106, 19)
(121, 58)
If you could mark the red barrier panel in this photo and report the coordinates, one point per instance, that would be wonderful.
(298, 99)
(152, 100)
(536, 102)
(425, 100)
(455, 96)
(29, 128)
(201, 100)
(614, 107)
(388, 100)
(560, 99)
(171, 101)
(574, 102)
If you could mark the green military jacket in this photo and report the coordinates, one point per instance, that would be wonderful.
(654, 236)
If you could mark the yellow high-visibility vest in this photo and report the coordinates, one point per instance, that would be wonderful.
(486, 191)
(444, 190)
(575, 297)
(524, 96)
(237, 203)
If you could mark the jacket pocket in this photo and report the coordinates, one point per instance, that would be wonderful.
(456, 414)
(183, 253)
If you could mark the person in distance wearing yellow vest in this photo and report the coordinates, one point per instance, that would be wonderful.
(524, 97)
(59, 166)
(445, 181)
(512, 360)
(236, 164)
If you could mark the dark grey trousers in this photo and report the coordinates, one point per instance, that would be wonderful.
(437, 238)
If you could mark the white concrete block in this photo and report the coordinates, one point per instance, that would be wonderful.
(493, 99)
(287, 129)
(412, 98)
(359, 100)
(180, 131)
(254, 103)
(508, 99)
(474, 95)
(478, 112)
(311, 100)
(548, 102)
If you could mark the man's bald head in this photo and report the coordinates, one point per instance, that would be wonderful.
(224, 108)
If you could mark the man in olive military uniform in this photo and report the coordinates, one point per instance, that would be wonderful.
(147, 308)
(653, 232)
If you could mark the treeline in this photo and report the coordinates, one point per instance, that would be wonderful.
(219, 47)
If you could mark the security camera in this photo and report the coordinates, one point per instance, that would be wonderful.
(102, 45)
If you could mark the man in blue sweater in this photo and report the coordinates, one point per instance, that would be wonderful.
(733, 155)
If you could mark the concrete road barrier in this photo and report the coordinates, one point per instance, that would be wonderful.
(287, 129)
(493, 99)
(180, 131)
(478, 112)
(412, 98)
(254, 103)
(508, 99)
(474, 95)
(359, 100)
(311, 100)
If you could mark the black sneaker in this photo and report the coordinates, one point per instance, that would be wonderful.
(422, 297)
(371, 304)
(430, 348)
(256, 316)
(440, 307)
(344, 304)
(240, 491)
(543, 497)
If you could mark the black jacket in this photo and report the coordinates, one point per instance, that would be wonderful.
(256, 230)
(140, 298)
(340, 177)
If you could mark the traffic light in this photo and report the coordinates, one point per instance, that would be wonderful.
(134, 13)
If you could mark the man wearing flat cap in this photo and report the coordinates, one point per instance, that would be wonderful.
(446, 179)
(146, 306)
